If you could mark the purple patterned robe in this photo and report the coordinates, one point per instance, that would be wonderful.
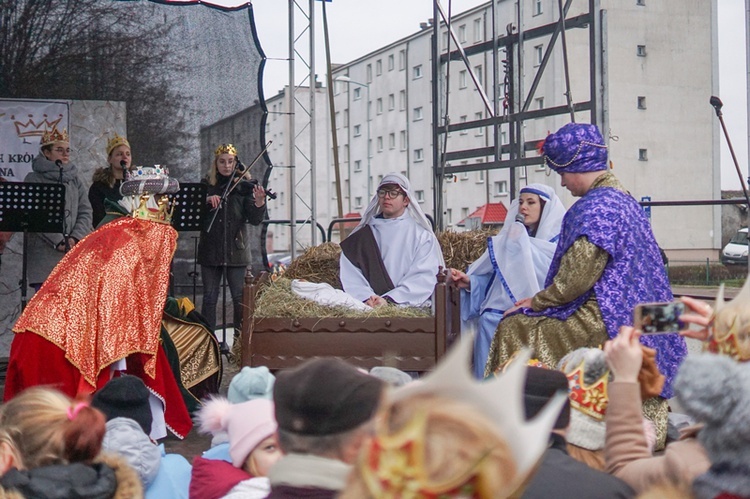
(613, 221)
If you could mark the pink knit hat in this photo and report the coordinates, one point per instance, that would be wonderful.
(247, 424)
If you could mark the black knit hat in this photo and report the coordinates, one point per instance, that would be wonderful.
(541, 385)
(325, 397)
(125, 397)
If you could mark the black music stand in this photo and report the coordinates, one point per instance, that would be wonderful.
(31, 207)
(189, 210)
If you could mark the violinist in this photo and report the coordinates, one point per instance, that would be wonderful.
(226, 246)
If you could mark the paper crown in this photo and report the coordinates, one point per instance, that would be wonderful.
(54, 135)
(592, 399)
(225, 149)
(116, 141)
(499, 399)
(731, 325)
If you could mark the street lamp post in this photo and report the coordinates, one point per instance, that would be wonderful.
(349, 81)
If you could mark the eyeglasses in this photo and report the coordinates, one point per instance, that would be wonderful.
(62, 150)
(392, 194)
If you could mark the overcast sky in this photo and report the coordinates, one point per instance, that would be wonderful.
(385, 21)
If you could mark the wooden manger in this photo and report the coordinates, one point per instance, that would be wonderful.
(409, 344)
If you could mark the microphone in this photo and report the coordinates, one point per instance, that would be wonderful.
(124, 166)
(58, 164)
(717, 104)
(520, 217)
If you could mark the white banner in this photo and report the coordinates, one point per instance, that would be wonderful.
(22, 123)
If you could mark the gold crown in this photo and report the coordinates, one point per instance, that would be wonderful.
(592, 399)
(52, 136)
(115, 142)
(225, 149)
(163, 214)
(500, 399)
(731, 325)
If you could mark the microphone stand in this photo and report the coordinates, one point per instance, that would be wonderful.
(59, 165)
(717, 105)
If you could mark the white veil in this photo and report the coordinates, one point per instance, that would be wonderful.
(520, 262)
(373, 209)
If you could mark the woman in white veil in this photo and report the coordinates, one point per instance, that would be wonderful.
(513, 267)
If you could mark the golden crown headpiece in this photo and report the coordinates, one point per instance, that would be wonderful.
(730, 326)
(54, 135)
(592, 399)
(161, 214)
(396, 462)
(225, 149)
(499, 399)
(116, 141)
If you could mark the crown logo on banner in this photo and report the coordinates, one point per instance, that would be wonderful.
(592, 399)
(32, 128)
(54, 135)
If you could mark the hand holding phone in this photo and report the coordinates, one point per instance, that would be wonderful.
(659, 318)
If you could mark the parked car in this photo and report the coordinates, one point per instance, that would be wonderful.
(735, 252)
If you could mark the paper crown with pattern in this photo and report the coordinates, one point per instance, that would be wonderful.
(225, 149)
(592, 399)
(54, 135)
(730, 329)
(116, 141)
(499, 399)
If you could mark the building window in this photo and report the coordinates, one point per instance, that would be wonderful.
(462, 33)
(369, 148)
(449, 216)
(417, 72)
(501, 188)
(357, 130)
(337, 119)
(378, 67)
(463, 119)
(503, 137)
(539, 102)
(641, 51)
(480, 177)
(357, 165)
(401, 60)
(478, 34)
(478, 73)
(357, 93)
(446, 39)
(418, 155)
(521, 170)
(538, 55)
(537, 7)
(368, 71)
(420, 196)
(391, 62)
(462, 79)
(417, 113)
(640, 2)
(346, 118)
(402, 140)
(464, 213)
(391, 141)
(480, 130)
(391, 102)
(641, 102)
(380, 144)
(358, 202)
(402, 100)
(346, 153)
(642, 154)
(379, 106)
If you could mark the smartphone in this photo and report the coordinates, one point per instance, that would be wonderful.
(659, 318)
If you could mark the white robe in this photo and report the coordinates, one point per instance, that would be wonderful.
(411, 255)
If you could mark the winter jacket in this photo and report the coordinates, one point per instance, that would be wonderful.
(242, 209)
(214, 478)
(109, 477)
(98, 192)
(41, 249)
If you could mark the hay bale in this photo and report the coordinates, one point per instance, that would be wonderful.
(277, 299)
(460, 249)
(317, 264)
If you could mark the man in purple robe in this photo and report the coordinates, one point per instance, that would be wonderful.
(607, 262)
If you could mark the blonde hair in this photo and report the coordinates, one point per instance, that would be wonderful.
(460, 446)
(45, 427)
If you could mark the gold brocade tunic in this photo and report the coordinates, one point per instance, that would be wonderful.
(551, 339)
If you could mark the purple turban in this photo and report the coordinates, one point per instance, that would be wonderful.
(575, 148)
